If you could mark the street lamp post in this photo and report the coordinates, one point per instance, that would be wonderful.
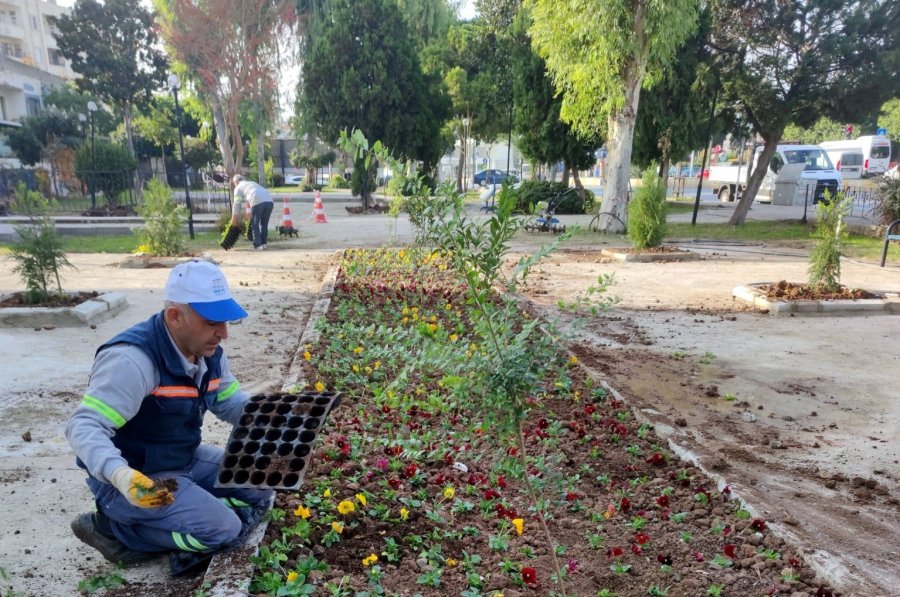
(465, 150)
(83, 119)
(92, 107)
(174, 84)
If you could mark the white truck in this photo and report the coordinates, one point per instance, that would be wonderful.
(876, 150)
(728, 181)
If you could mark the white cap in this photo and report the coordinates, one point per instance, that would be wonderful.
(202, 285)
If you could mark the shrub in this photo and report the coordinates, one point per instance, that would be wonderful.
(647, 213)
(111, 168)
(277, 179)
(338, 182)
(531, 191)
(889, 200)
(824, 271)
(163, 219)
(38, 253)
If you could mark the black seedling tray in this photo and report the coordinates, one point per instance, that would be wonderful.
(272, 444)
(231, 237)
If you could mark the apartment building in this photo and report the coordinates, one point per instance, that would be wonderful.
(29, 57)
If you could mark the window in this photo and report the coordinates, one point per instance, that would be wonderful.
(814, 159)
(12, 17)
(3, 107)
(55, 58)
(34, 22)
(32, 106)
(38, 55)
(881, 153)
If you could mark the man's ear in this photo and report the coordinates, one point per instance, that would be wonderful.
(173, 315)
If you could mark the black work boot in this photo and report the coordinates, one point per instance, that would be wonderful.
(88, 529)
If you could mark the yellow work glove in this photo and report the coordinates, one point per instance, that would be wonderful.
(139, 489)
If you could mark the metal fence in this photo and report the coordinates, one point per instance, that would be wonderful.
(104, 192)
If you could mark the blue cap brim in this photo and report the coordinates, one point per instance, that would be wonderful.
(227, 310)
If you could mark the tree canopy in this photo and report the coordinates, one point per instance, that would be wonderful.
(599, 56)
(793, 62)
(361, 71)
(113, 47)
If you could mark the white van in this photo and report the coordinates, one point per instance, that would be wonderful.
(727, 181)
(849, 162)
(876, 150)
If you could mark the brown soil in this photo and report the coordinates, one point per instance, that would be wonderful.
(118, 212)
(67, 300)
(804, 292)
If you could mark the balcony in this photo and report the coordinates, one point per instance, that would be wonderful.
(11, 30)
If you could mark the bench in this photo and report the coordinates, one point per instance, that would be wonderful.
(892, 233)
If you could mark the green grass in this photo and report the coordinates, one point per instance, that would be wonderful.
(125, 243)
(769, 231)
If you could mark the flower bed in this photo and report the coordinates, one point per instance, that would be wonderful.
(417, 489)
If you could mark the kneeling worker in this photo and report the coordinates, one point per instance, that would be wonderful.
(137, 431)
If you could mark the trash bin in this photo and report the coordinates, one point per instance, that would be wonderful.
(786, 185)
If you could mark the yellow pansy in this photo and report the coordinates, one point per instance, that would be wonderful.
(415, 309)
(346, 507)
(357, 350)
(326, 493)
(292, 576)
(432, 327)
(337, 527)
(451, 562)
(320, 387)
(404, 311)
(376, 364)
(302, 511)
(404, 514)
(369, 560)
(306, 355)
(449, 492)
(447, 307)
(433, 318)
(405, 320)
(355, 368)
(519, 524)
(573, 360)
(361, 499)
(453, 337)
(368, 370)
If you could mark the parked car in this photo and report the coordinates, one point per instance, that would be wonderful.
(293, 180)
(492, 176)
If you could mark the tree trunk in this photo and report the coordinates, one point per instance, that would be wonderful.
(664, 169)
(579, 188)
(129, 128)
(462, 164)
(621, 135)
(223, 136)
(759, 172)
(261, 155)
(565, 175)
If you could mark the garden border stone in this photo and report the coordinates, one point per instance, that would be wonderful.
(229, 571)
(889, 304)
(87, 313)
(619, 254)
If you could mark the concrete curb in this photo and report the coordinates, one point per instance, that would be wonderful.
(649, 257)
(751, 294)
(88, 312)
(229, 571)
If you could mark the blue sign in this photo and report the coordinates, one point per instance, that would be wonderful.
(881, 132)
(603, 153)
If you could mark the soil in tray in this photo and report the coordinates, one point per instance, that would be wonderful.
(804, 292)
(661, 250)
(67, 300)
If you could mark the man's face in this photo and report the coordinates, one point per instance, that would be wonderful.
(194, 336)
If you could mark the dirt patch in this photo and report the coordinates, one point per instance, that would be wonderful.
(804, 292)
(71, 299)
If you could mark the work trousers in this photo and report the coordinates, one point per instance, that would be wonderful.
(202, 518)
(259, 222)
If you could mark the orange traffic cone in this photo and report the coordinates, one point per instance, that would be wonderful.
(318, 212)
(286, 217)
